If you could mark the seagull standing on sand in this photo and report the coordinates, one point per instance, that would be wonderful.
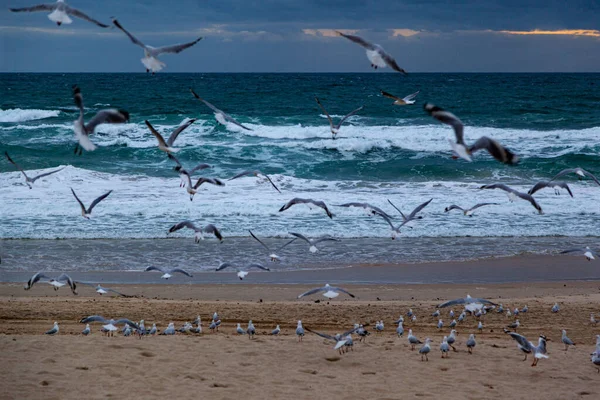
(150, 60)
(480, 326)
(255, 173)
(336, 128)
(251, 331)
(452, 324)
(424, 351)
(272, 255)
(167, 273)
(60, 13)
(276, 330)
(515, 325)
(221, 116)
(408, 100)
(329, 291)
(375, 53)
(444, 347)
(440, 324)
(199, 231)
(83, 130)
(379, 326)
(241, 272)
(300, 331)
(29, 181)
(298, 200)
(313, 242)
(586, 251)
(87, 212)
(471, 343)
(240, 330)
(514, 194)
(166, 146)
(170, 329)
(436, 313)
(153, 330)
(568, 342)
(400, 329)
(555, 308)
(579, 171)
(468, 212)
(451, 339)
(54, 330)
(412, 340)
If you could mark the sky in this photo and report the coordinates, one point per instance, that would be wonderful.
(299, 35)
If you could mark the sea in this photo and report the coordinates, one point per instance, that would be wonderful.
(384, 152)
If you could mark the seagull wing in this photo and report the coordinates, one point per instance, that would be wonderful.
(131, 37)
(323, 335)
(577, 250)
(325, 239)
(76, 13)
(358, 40)
(35, 178)
(175, 48)
(243, 174)
(212, 181)
(301, 236)
(34, 279)
(40, 7)
(270, 181)
(157, 135)
(184, 224)
(391, 96)
(108, 116)
(397, 209)
(522, 340)
(454, 207)
(210, 228)
(224, 265)
(98, 200)
(181, 271)
(209, 105)
(294, 201)
(476, 206)
(495, 149)
(259, 266)
(530, 199)
(500, 186)
(172, 157)
(290, 242)
(179, 129)
(389, 221)
(451, 303)
(412, 96)
(345, 117)
(199, 167)
(14, 163)
(325, 111)
(79, 201)
(389, 60)
(235, 122)
(343, 291)
(159, 269)
(128, 322)
(93, 318)
(447, 118)
(312, 291)
(419, 208)
(259, 241)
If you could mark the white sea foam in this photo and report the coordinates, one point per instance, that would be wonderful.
(19, 115)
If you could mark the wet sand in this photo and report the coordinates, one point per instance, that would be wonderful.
(224, 365)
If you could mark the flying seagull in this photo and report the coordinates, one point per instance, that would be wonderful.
(221, 116)
(298, 200)
(150, 60)
(586, 251)
(193, 189)
(469, 211)
(459, 147)
(29, 181)
(102, 290)
(86, 213)
(255, 173)
(166, 145)
(408, 100)
(413, 215)
(60, 13)
(182, 171)
(476, 303)
(527, 347)
(57, 283)
(555, 185)
(313, 242)
(341, 340)
(83, 130)
(375, 53)
(168, 272)
(329, 291)
(579, 171)
(243, 271)
(335, 128)
(272, 254)
(110, 324)
(199, 235)
(513, 194)
(371, 210)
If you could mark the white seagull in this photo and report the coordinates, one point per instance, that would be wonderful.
(57, 283)
(60, 13)
(527, 347)
(514, 194)
(341, 340)
(424, 351)
(555, 185)
(298, 200)
(54, 329)
(313, 242)
(468, 212)
(276, 330)
(471, 303)
(471, 343)
(221, 116)
(29, 181)
(408, 100)
(199, 232)
(375, 53)
(167, 273)
(413, 340)
(166, 146)
(586, 251)
(102, 290)
(242, 272)
(255, 173)
(299, 331)
(150, 60)
(565, 339)
(579, 171)
(333, 127)
(329, 291)
(87, 212)
(555, 308)
(272, 254)
(87, 330)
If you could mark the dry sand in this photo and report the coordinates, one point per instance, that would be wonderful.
(226, 366)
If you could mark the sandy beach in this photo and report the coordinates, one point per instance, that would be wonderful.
(225, 365)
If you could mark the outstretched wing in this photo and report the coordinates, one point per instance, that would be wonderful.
(93, 318)
(152, 268)
(325, 111)
(183, 224)
(447, 118)
(483, 204)
(14, 163)
(76, 13)
(312, 291)
(323, 335)
(397, 209)
(389, 60)
(345, 117)
(199, 167)
(179, 129)
(419, 208)
(451, 303)
(301, 236)
(40, 7)
(325, 239)
(390, 96)
(259, 266)
(259, 241)
(108, 116)
(412, 96)
(224, 265)
(131, 37)
(175, 48)
(495, 149)
(339, 289)
(98, 200)
(271, 182)
(181, 271)
(79, 201)
(453, 207)
(35, 178)
(209, 105)
(157, 135)
(358, 40)
(210, 228)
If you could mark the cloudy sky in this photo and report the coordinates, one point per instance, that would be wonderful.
(297, 35)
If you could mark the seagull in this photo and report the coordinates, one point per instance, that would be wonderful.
(83, 130)
(340, 340)
(400, 329)
(170, 329)
(459, 147)
(408, 100)
(513, 194)
(451, 313)
(471, 343)
(87, 330)
(60, 13)
(221, 116)
(461, 317)
(197, 321)
(109, 324)
(436, 313)
(276, 330)
(568, 342)
(166, 146)
(480, 326)
(440, 324)
(409, 313)
(150, 60)
(413, 215)
(193, 189)
(255, 173)
(241, 272)
(445, 347)
(167, 273)
(474, 303)
(555, 185)
(57, 283)
(579, 171)
(300, 331)
(525, 309)
(239, 330)
(555, 308)
(182, 172)
(251, 331)
(215, 316)
(500, 308)
(153, 330)
(468, 212)
(516, 311)
(29, 181)
(596, 359)
(336, 128)
(313, 242)
(413, 340)
(102, 290)
(527, 347)
(363, 333)
(451, 339)
(423, 351)
(199, 235)
(272, 255)
(127, 331)
(514, 325)
(375, 53)
(298, 200)
(593, 320)
(379, 327)
(414, 318)
(86, 213)
(330, 292)
(370, 209)
(214, 325)
(586, 251)
(453, 323)
(54, 329)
